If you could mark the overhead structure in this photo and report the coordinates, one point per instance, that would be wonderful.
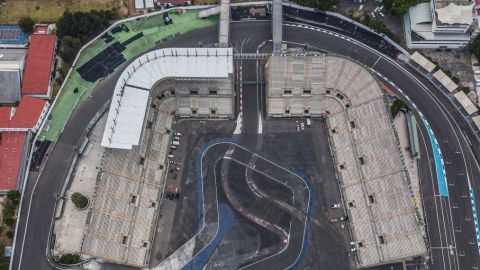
(224, 30)
(422, 61)
(466, 103)
(445, 80)
(132, 91)
(277, 22)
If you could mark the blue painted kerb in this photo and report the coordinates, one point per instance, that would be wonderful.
(441, 179)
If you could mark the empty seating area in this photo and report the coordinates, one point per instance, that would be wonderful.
(372, 175)
(123, 215)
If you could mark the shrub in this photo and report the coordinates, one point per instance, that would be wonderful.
(10, 234)
(14, 196)
(396, 106)
(79, 200)
(27, 24)
(70, 258)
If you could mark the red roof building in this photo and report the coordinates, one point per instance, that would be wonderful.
(38, 67)
(12, 146)
(27, 116)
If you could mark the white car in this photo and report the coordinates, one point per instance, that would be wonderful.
(335, 206)
(302, 125)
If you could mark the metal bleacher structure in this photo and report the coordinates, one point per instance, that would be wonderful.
(149, 93)
(277, 22)
(224, 29)
(375, 184)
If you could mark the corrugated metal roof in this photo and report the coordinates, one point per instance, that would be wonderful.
(37, 74)
(10, 86)
(445, 80)
(423, 61)
(466, 103)
(11, 149)
(25, 116)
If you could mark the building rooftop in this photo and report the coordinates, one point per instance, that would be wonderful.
(25, 116)
(37, 74)
(11, 149)
(455, 14)
(11, 55)
(444, 3)
(9, 86)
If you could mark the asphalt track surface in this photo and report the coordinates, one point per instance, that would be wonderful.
(450, 226)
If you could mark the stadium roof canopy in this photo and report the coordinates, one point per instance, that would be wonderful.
(38, 68)
(130, 97)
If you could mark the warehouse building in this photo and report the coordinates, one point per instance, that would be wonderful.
(12, 63)
(373, 178)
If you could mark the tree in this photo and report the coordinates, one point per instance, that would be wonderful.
(14, 196)
(79, 200)
(399, 6)
(10, 234)
(70, 258)
(27, 24)
(83, 25)
(474, 46)
(318, 4)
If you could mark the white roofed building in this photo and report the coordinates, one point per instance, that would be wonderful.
(441, 24)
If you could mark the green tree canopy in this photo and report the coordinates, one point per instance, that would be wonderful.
(319, 4)
(27, 24)
(400, 6)
(474, 46)
(79, 200)
(83, 25)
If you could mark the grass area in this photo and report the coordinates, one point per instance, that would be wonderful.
(49, 10)
(154, 31)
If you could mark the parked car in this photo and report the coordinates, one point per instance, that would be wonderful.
(335, 205)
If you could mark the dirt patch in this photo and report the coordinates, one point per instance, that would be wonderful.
(49, 10)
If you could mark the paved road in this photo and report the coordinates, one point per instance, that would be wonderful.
(452, 227)
(445, 122)
(51, 179)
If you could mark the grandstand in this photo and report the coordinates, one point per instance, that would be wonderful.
(374, 181)
(121, 224)
(12, 35)
(203, 88)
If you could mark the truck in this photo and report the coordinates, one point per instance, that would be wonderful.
(309, 122)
